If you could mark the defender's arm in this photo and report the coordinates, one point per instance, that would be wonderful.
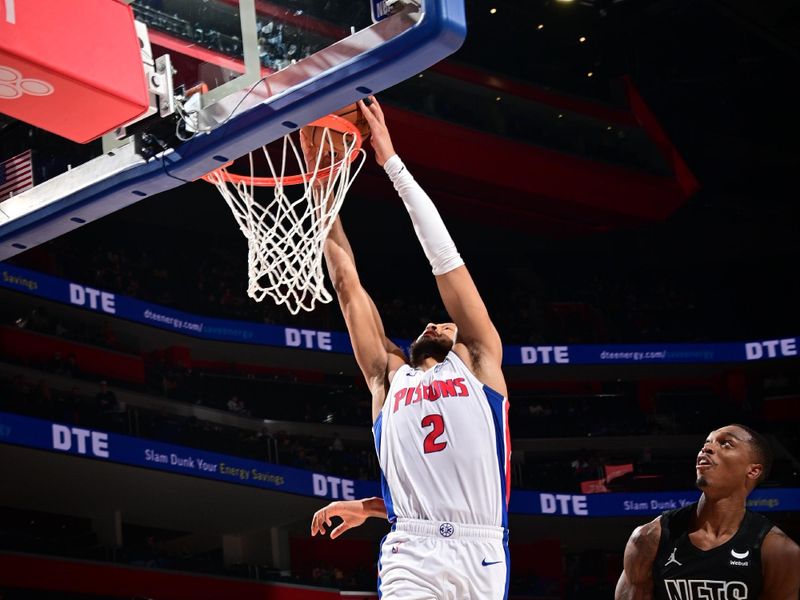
(352, 513)
(780, 563)
(636, 581)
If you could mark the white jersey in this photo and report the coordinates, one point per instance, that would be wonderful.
(444, 447)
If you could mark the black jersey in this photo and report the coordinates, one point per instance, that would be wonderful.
(731, 571)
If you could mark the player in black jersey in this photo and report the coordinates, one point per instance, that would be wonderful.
(715, 549)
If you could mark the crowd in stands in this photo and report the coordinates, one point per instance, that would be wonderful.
(601, 410)
(144, 547)
(582, 411)
(307, 27)
(281, 41)
(528, 307)
(59, 535)
(101, 410)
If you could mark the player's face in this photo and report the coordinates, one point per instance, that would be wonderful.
(435, 342)
(726, 458)
(442, 332)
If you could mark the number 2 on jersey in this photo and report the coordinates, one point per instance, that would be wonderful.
(431, 445)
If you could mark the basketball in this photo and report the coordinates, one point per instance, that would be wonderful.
(316, 136)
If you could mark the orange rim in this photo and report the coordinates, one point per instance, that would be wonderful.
(331, 122)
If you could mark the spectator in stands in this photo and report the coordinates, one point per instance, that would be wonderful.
(105, 399)
(57, 364)
(70, 405)
(108, 336)
(236, 406)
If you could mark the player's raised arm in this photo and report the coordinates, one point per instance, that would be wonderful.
(636, 581)
(375, 354)
(459, 293)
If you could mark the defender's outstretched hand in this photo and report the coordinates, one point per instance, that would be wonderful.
(379, 137)
(352, 512)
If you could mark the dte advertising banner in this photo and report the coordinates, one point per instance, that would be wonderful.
(99, 445)
(224, 330)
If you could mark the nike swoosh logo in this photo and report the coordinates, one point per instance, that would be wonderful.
(486, 564)
(738, 555)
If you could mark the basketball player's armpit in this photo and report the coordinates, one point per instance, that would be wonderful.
(468, 311)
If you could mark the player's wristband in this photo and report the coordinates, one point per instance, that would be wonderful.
(432, 234)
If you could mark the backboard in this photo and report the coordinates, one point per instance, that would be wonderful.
(224, 77)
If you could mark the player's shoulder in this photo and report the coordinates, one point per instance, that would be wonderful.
(641, 551)
(779, 547)
(646, 537)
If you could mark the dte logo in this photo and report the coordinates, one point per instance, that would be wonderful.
(325, 485)
(563, 504)
(94, 443)
(544, 355)
(96, 299)
(771, 349)
(307, 338)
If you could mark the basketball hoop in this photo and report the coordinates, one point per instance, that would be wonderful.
(285, 236)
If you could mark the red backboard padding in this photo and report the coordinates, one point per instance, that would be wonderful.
(72, 68)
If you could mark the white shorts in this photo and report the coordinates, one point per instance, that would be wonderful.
(430, 560)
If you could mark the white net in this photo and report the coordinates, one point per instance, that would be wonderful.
(285, 235)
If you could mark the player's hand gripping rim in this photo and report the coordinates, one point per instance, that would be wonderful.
(379, 133)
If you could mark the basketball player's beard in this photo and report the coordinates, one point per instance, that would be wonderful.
(429, 346)
(701, 482)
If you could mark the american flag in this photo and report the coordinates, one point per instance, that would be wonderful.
(16, 175)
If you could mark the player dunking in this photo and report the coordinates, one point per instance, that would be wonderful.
(715, 548)
(440, 419)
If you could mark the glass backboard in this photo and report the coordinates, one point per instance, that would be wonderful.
(225, 76)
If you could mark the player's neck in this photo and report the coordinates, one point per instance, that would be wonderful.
(426, 363)
(720, 516)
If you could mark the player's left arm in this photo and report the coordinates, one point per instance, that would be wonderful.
(476, 332)
(780, 563)
(475, 328)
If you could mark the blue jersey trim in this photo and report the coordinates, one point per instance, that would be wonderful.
(380, 556)
(496, 401)
(385, 492)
